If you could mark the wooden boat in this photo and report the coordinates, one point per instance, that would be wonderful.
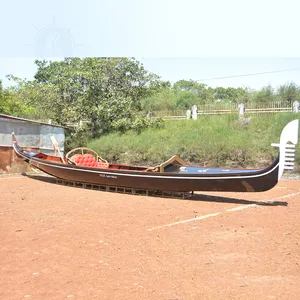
(83, 165)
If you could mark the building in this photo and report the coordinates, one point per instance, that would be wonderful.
(33, 135)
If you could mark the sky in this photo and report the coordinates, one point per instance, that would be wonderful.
(175, 39)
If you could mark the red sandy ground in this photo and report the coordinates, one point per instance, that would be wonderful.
(61, 242)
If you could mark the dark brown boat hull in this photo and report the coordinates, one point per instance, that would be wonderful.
(251, 182)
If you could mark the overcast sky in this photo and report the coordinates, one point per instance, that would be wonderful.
(189, 39)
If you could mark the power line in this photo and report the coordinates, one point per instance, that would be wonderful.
(250, 74)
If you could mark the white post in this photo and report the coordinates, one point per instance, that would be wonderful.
(194, 112)
(241, 108)
(188, 114)
(296, 105)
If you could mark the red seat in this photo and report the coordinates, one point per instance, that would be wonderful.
(88, 160)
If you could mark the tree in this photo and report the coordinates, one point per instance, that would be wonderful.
(187, 91)
(162, 100)
(230, 95)
(289, 92)
(266, 94)
(105, 91)
(11, 105)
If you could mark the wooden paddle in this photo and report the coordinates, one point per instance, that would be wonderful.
(55, 145)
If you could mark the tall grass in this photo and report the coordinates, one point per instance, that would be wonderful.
(210, 141)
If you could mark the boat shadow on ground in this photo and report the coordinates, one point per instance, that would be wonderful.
(195, 197)
(210, 198)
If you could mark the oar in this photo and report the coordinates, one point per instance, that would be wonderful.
(55, 145)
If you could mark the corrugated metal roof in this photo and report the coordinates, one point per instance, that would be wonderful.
(31, 121)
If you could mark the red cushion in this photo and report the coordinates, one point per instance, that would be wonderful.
(86, 160)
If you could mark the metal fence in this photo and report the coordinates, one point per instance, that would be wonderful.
(228, 108)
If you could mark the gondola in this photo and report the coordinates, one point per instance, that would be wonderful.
(83, 165)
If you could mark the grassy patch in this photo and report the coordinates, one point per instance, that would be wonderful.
(209, 141)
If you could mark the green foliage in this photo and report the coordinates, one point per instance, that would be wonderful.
(289, 92)
(78, 137)
(105, 91)
(162, 100)
(266, 94)
(184, 94)
(12, 105)
(185, 100)
(137, 124)
(188, 92)
(43, 99)
(231, 95)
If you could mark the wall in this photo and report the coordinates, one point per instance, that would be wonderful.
(10, 163)
(30, 136)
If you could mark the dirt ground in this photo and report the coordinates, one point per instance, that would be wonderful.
(60, 242)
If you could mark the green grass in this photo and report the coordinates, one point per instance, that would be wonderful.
(210, 141)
